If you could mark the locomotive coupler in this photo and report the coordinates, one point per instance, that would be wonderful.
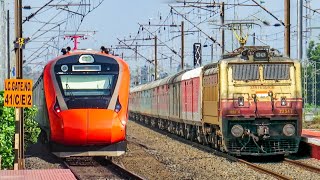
(263, 131)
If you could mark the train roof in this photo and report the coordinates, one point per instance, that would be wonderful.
(88, 51)
(192, 73)
(182, 75)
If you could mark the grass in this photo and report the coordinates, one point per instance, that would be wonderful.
(315, 124)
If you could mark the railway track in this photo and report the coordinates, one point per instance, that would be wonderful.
(264, 170)
(229, 157)
(302, 165)
(97, 168)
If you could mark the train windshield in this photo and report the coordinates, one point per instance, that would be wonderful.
(87, 85)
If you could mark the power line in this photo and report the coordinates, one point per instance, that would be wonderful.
(33, 14)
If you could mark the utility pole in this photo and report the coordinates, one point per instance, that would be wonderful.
(182, 45)
(136, 53)
(308, 28)
(222, 29)
(300, 35)
(8, 44)
(2, 43)
(211, 46)
(287, 28)
(19, 124)
(155, 58)
(254, 38)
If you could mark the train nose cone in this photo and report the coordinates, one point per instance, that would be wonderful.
(90, 126)
(99, 128)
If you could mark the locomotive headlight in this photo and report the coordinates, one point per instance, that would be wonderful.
(117, 108)
(56, 107)
(283, 101)
(289, 130)
(64, 68)
(260, 55)
(123, 122)
(241, 101)
(237, 130)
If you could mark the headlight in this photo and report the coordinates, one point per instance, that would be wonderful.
(283, 101)
(289, 130)
(237, 130)
(117, 108)
(241, 101)
(64, 68)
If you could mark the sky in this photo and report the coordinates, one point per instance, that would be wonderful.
(119, 19)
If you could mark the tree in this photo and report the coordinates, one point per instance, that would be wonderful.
(313, 54)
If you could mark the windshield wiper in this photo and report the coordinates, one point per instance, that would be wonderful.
(70, 93)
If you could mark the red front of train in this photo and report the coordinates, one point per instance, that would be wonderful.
(86, 99)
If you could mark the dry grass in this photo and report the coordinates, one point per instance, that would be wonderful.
(315, 124)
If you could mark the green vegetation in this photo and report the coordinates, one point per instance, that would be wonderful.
(315, 124)
(313, 54)
(309, 108)
(7, 130)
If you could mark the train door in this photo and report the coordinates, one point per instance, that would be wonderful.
(177, 100)
(185, 102)
(167, 102)
(195, 99)
(211, 98)
(170, 94)
(190, 100)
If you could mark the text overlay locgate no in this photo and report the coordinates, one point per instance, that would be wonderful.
(18, 93)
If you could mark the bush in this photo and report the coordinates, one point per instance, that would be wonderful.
(7, 130)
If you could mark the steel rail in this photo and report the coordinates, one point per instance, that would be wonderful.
(263, 170)
(70, 168)
(214, 151)
(109, 165)
(124, 172)
(303, 165)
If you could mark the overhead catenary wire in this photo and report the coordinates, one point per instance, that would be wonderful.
(33, 14)
(57, 24)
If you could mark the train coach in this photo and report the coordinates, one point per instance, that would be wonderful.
(82, 97)
(248, 103)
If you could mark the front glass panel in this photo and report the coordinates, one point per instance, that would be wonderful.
(87, 81)
(87, 85)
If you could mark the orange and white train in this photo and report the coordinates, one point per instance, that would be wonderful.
(82, 98)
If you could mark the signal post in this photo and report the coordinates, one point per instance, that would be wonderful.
(19, 121)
